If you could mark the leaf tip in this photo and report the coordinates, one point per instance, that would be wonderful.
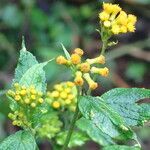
(23, 44)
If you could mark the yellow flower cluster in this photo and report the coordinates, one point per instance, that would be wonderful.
(63, 96)
(26, 96)
(19, 119)
(116, 20)
(83, 69)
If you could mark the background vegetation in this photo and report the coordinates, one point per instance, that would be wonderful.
(47, 23)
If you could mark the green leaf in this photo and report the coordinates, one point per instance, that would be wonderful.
(124, 101)
(77, 138)
(65, 52)
(144, 112)
(104, 117)
(26, 61)
(94, 132)
(21, 140)
(35, 76)
(120, 147)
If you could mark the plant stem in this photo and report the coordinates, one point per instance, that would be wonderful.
(104, 47)
(71, 128)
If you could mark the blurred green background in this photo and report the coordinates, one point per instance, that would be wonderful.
(46, 24)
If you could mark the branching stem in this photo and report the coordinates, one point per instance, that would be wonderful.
(72, 125)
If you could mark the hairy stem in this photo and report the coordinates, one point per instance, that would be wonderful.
(71, 128)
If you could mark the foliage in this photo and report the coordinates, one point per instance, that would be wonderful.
(68, 115)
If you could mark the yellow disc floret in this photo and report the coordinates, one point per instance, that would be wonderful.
(85, 67)
(56, 104)
(99, 60)
(75, 59)
(61, 60)
(79, 51)
(66, 98)
(78, 79)
(92, 84)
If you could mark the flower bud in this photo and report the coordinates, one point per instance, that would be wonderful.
(56, 104)
(75, 59)
(55, 94)
(61, 60)
(92, 84)
(85, 67)
(78, 51)
(78, 79)
(99, 60)
(101, 71)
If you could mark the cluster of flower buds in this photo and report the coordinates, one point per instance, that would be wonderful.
(84, 69)
(116, 20)
(26, 96)
(19, 119)
(50, 126)
(63, 96)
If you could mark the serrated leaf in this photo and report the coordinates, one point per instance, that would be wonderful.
(94, 132)
(35, 76)
(144, 112)
(104, 118)
(26, 61)
(77, 138)
(65, 52)
(124, 101)
(21, 140)
(120, 147)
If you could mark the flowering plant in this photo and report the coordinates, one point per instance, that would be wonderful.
(68, 115)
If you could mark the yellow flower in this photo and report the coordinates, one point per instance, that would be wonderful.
(123, 29)
(78, 51)
(61, 60)
(102, 71)
(58, 87)
(108, 7)
(70, 96)
(33, 105)
(103, 16)
(99, 60)
(33, 97)
(75, 59)
(16, 85)
(85, 67)
(115, 29)
(107, 24)
(63, 95)
(92, 84)
(41, 100)
(70, 84)
(27, 101)
(55, 94)
(78, 79)
(131, 27)
(117, 20)
(67, 90)
(17, 97)
(56, 104)
(23, 92)
(132, 19)
(67, 101)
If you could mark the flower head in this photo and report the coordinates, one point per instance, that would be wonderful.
(115, 20)
(63, 96)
